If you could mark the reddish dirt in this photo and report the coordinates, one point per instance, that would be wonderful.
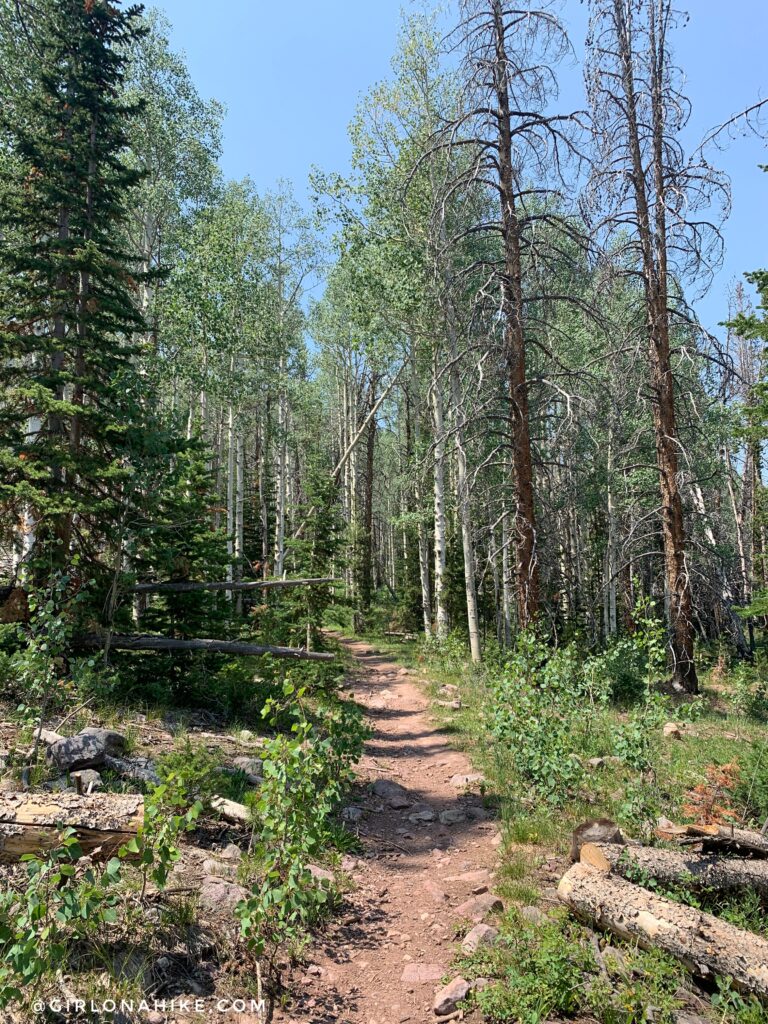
(409, 879)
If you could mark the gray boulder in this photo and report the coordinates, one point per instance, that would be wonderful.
(88, 749)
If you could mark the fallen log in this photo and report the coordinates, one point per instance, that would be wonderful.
(188, 586)
(103, 822)
(145, 642)
(717, 837)
(672, 867)
(702, 942)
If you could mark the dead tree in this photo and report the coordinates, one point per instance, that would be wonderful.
(647, 190)
(518, 149)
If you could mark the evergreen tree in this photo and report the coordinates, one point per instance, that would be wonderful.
(69, 313)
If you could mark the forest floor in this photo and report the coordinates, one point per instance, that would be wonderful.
(392, 940)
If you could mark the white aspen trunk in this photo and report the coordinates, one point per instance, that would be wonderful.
(27, 525)
(230, 497)
(497, 598)
(506, 580)
(239, 508)
(463, 498)
(441, 613)
(282, 469)
(219, 465)
(422, 530)
(738, 520)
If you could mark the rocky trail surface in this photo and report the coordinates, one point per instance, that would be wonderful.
(426, 868)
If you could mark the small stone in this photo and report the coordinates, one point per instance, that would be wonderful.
(479, 907)
(422, 813)
(61, 785)
(231, 852)
(421, 974)
(673, 730)
(448, 998)
(595, 762)
(435, 890)
(252, 768)
(481, 983)
(352, 813)
(155, 1017)
(479, 890)
(453, 704)
(476, 813)
(448, 689)
(465, 781)
(90, 780)
(246, 736)
(533, 914)
(480, 935)
(217, 895)
(395, 795)
(320, 874)
(452, 816)
(219, 869)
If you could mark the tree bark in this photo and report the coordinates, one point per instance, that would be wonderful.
(31, 822)
(160, 643)
(438, 423)
(693, 870)
(702, 942)
(652, 233)
(526, 562)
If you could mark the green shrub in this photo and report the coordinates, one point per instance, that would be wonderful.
(305, 775)
(538, 709)
(749, 694)
(752, 789)
(545, 977)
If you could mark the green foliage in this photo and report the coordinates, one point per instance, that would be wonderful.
(544, 977)
(305, 774)
(65, 900)
(38, 670)
(749, 693)
(66, 282)
(752, 788)
(167, 814)
(643, 987)
(192, 772)
(537, 709)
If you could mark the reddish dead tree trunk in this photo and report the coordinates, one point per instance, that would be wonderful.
(652, 188)
(526, 565)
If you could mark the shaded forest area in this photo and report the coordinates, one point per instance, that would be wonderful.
(460, 402)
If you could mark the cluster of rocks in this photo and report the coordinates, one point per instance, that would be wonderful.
(448, 997)
(81, 757)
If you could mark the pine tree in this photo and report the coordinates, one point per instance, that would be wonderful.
(69, 313)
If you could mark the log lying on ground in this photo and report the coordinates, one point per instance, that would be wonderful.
(31, 822)
(145, 642)
(188, 586)
(717, 837)
(673, 867)
(702, 942)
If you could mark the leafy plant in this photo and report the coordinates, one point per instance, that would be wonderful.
(305, 774)
(65, 899)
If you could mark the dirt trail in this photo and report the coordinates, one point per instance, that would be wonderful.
(382, 956)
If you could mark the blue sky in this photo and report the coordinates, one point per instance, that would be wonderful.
(291, 74)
